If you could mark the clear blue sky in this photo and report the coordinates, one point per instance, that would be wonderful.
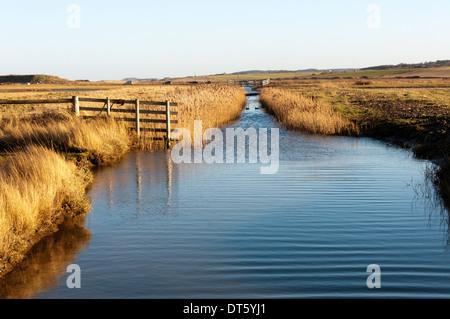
(131, 38)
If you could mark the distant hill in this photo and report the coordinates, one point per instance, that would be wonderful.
(34, 78)
(439, 63)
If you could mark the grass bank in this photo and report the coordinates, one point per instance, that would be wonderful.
(39, 189)
(44, 152)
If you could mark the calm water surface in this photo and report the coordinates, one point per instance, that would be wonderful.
(336, 205)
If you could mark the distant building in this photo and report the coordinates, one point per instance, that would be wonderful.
(128, 83)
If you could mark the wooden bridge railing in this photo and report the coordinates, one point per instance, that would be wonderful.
(166, 113)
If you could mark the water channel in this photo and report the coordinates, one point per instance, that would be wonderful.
(336, 205)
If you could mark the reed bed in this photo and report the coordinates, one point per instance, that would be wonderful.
(300, 112)
(103, 140)
(39, 189)
(214, 104)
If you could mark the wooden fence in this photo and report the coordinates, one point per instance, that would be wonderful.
(165, 112)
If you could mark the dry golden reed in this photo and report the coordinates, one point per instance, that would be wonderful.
(303, 113)
(103, 139)
(38, 189)
(214, 104)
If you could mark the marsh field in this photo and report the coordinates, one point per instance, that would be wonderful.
(365, 136)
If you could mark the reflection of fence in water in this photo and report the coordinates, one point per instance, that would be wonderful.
(148, 167)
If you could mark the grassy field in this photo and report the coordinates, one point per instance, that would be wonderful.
(440, 72)
(46, 153)
(357, 74)
(306, 75)
(298, 75)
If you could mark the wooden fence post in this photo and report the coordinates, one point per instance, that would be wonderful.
(168, 124)
(108, 106)
(76, 105)
(138, 124)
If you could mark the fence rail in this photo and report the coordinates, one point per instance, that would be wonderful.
(108, 103)
(57, 101)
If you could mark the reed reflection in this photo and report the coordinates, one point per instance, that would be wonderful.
(427, 195)
(46, 263)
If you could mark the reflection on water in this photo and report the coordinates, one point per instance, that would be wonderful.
(337, 204)
(118, 181)
(428, 197)
(45, 262)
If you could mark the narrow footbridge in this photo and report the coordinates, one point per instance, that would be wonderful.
(250, 82)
